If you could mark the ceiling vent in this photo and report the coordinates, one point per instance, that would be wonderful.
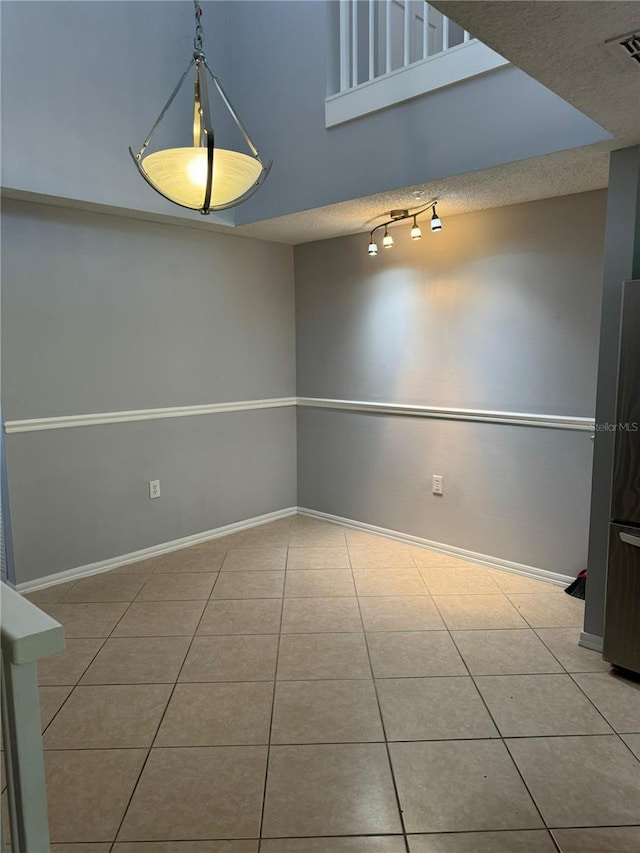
(626, 47)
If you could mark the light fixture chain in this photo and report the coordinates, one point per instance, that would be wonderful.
(199, 38)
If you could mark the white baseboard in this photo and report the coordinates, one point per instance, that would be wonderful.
(450, 550)
(187, 541)
(154, 551)
(590, 641)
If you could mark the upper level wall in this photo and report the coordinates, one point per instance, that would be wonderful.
(283, 52)
(81, 82)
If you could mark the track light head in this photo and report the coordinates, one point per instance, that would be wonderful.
(387, 240)
(373, 247)
(436, 225)
(416, 232)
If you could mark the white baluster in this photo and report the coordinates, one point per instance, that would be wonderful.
(354, 42)
(344, 45)
(425, 31)
(445, 33)
(388, 37)
(372, 39)
(407, 32)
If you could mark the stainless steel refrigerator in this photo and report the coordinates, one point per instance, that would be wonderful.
(622, 608)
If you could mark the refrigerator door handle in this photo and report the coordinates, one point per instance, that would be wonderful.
(630, 540)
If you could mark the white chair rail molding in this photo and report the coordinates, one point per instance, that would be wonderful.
(530, 419)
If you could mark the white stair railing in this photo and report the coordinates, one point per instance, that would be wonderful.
(378, 37)
(27, 635)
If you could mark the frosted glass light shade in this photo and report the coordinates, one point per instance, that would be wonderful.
(181, 174)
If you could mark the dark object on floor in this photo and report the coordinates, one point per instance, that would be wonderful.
(577, 587)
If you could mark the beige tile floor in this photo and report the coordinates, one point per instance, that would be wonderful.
(302, 688)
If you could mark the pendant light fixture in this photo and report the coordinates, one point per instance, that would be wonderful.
(398, 216)
(202, 177)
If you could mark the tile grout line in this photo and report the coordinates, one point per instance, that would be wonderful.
(73, 686)
(84, 672)
(548, 647)
(596, 672)
(315, 742)
(166, 707)
(382, 723)
(553, 840)
(533, 800)
(611, 726)
(591, 702)
(273, 701)
(372, 631)
(305, 571)
(104, 640)
(502, 738)
(497, 728)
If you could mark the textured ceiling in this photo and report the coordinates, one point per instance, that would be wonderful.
(560, 44)
(563, 173)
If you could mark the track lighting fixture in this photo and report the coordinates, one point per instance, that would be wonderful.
(398, 216)
(202, 177)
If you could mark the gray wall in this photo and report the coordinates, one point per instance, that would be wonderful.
(81, 495)
(107, 314)
(621, 262)
(514, 493)
(104, 314)
(498, 311)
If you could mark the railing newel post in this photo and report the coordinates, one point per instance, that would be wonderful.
(27, 635)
